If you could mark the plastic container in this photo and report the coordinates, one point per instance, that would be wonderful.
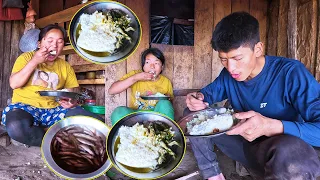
(90, 102)
(95, 109)
(100, 75)
(91, 75)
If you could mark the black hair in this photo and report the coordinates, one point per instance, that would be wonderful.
(154, 51)
(235, 30)
(47, 75)
(49, 27)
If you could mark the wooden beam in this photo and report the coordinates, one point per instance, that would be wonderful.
(67, 50)
(60, 17)
(75, 59)
(88, 67)
(91, 81)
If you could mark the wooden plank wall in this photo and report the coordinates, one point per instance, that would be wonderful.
(10, 33)
(179, 69)
(317, 73)
(298, 32)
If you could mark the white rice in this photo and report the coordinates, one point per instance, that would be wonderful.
(202, 124)
(136, 149)
(157, 95)
(53, 52)
(98, 33)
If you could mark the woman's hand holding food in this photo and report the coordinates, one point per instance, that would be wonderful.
(143, 76)
(41, 55)
(195, 101)
(254, 125)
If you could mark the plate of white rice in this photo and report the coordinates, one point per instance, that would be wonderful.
(208, 122)
(104, 32)
(156, 96)
(141, 153)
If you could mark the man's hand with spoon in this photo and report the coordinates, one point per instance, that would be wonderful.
(195, 101)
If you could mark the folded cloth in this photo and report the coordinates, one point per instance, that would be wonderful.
(8, 14)
(12, 4)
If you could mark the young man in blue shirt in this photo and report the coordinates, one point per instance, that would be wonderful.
(278, 102)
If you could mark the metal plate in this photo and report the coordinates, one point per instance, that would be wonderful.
(155, 97)
(212, 111)
(126, 48)
(142, 118)
(60, 94)
(74, 120)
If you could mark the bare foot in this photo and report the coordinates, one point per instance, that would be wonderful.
(217, 177)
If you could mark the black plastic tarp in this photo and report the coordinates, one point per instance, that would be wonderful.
(164, 31)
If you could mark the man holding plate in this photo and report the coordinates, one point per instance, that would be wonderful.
(278, 102)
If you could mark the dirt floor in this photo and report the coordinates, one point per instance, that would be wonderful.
(22, 163)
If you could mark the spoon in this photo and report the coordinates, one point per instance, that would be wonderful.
(208, 107)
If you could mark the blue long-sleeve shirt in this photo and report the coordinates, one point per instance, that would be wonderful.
(283, 90)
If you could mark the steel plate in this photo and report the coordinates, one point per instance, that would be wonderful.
(126, 48)
(60, 94)
(155, 98)
(73, 120)
(142, 118)
(212, 111)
